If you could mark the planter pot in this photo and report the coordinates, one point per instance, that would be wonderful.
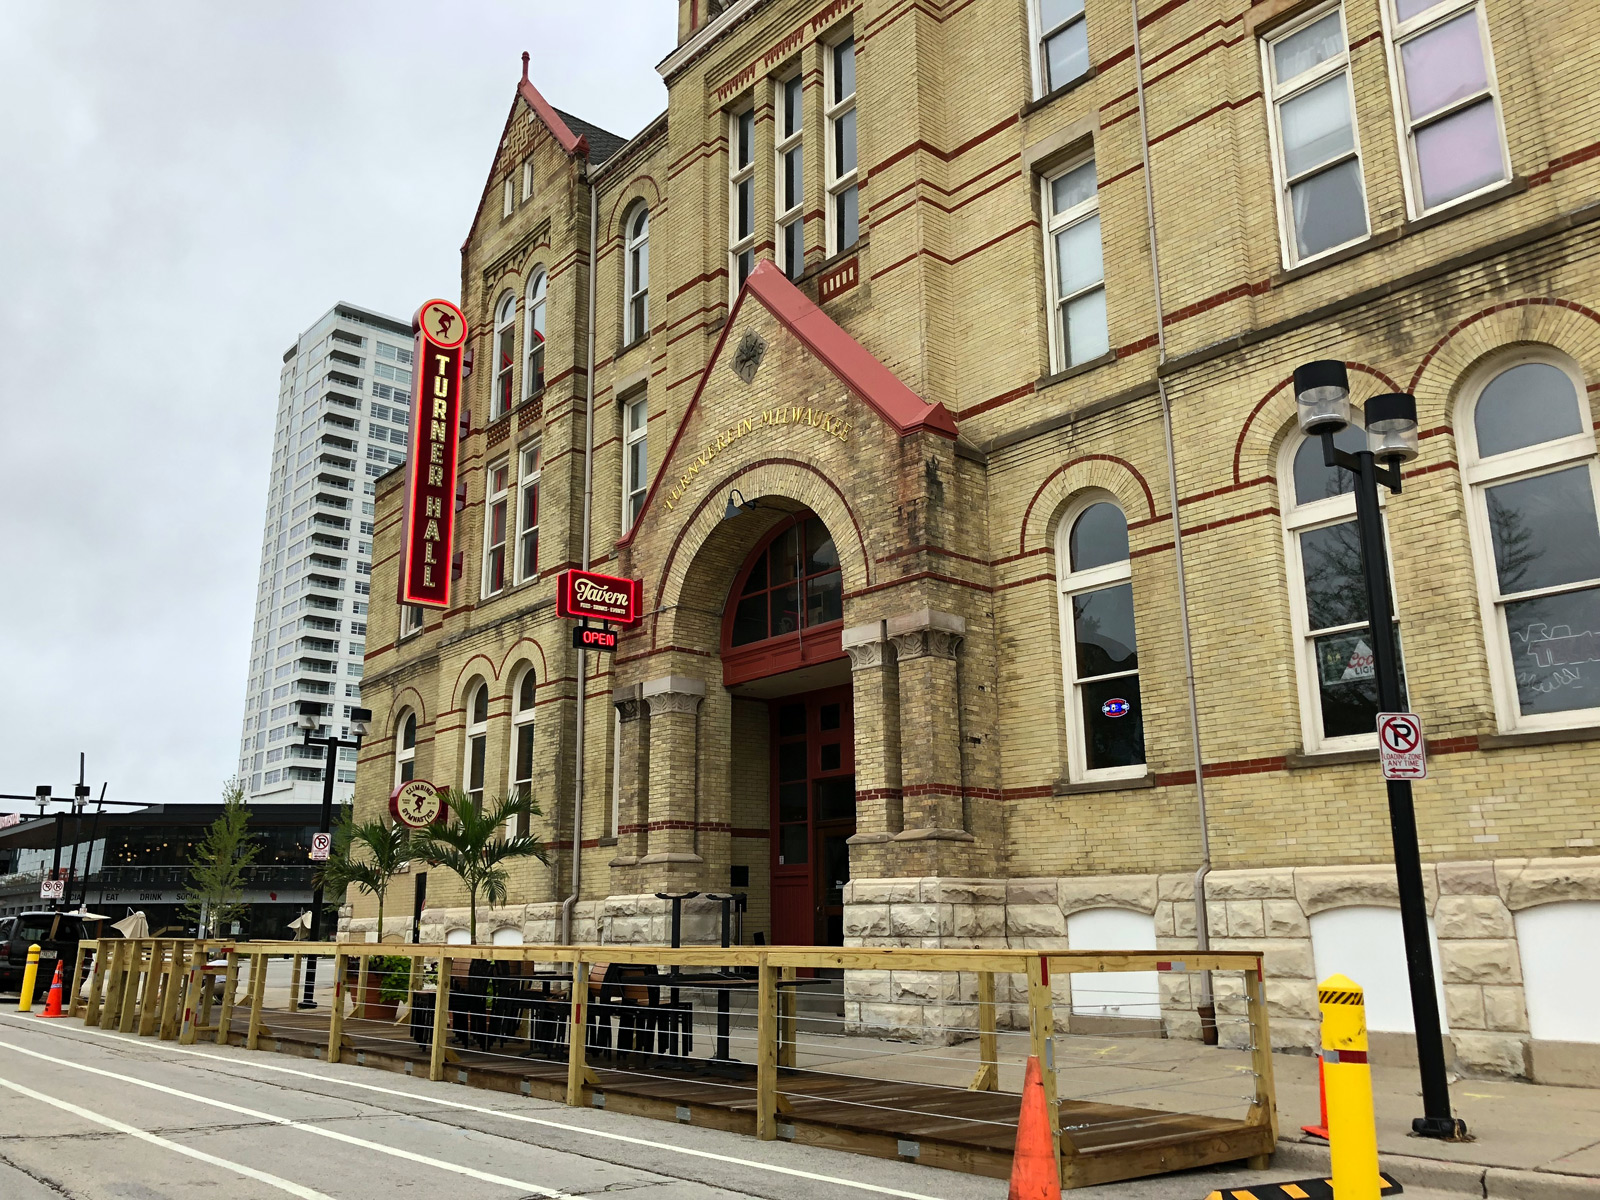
(372, 1008)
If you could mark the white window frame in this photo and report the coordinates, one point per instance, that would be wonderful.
(740, 175)
(1396, 34)
(636, 291)
(784, 144)
(529, 468)
(1302, 518)
(1276, 93)
(410, 620)
(833, 111)
(527, 180)
(476, 731)
(1054, 224)
(405, 755)
(1040, 35)
(521, 718)
(533, 336)
(1477, 476)
(508, 197)
(634, 488)
(1070, 583)
(496, 495)
(505, 325)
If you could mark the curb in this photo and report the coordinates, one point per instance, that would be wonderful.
(1474, 1179)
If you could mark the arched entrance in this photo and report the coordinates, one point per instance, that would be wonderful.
(781, 648)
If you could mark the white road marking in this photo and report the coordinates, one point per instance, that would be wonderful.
(772, 1168)
(333, 1134)
(294, 1189)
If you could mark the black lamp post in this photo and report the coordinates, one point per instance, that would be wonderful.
(309, 720)
(1322, 392)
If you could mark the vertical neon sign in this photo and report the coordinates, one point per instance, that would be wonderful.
(428, 534)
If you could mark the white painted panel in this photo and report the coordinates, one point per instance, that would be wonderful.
(1119, 993)
(1366, 943)
(507, 937)
(457, 937)
(1560, 945)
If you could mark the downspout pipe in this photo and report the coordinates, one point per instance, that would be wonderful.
(1207, 1008)
(588, 504)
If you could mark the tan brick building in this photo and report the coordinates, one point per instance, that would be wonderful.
(935, 681)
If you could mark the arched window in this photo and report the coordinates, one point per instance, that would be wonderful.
(1328, 597)
(793, 582)
(1099, 651)
(522, 739)
(477, 742)
(533, 339)
(636, 286)
(505, 357)
(405, 748)
(1529, 464)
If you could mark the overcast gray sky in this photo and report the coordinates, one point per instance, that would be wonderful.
(184, 187)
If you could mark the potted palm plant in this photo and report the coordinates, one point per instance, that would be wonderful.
(367, 855)
(473, 842)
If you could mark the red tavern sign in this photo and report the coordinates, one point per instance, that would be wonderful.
(587, 596)
(428, 531)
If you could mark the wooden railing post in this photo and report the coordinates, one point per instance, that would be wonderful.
(97, 981)
(411, 987)
(194, 987)
(577, 1034)
(128, 1014)
(258, 991)
(77, 975)
(1042, 1039)
(441, 1018)
(787, 999)
(766, 1051)
(358, 1009)
(116, 985)
(336, 1018)
(294, 984)
(169, 997)
(987, 1078)
(1264, 1105)
(230, 984)
(150, 999)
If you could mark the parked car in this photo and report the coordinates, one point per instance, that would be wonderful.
(57, 936)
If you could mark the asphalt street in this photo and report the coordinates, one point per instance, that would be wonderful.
(96, 1116)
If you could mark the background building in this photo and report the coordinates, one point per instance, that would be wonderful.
(992, 310)
(344, 398)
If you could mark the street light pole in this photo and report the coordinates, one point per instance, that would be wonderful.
(310, 718)
(1322, 391)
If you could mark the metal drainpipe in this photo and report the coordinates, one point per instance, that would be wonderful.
(1207, 1008)
(588, 502)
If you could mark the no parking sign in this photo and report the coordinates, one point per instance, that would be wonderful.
(321, 846)
(1401, 748)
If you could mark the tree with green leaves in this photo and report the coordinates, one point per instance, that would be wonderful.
(366, 855)
(473, 841)
(219, 864)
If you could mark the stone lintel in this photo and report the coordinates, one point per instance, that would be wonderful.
(670, 856)
(934, 835)
(675, 684)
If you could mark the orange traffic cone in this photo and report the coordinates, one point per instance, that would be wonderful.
(1321, 1128)
(1034, 1173)
(52, 1006)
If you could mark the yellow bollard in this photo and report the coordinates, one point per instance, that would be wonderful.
(1352, 1128)
(30, 977)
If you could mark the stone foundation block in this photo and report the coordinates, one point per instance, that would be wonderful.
(1504, 1010)
(1480, 962)
(1463, 1006)
(1491, 1054)
(1472, 917)
(1035, 920)
(1273, 883)
(1136, 892)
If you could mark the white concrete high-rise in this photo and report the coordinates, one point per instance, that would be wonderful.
(344, 404)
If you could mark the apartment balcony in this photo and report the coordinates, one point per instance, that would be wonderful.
(338, 502)
(324, 562)
(312, 687)
(325, 582)
(329, 542)
(333, 481)
(339, 398)
(340, 421)
(337, 462)
(322, 603)
(319, 645)
(338, 377)
(349, 339)
(340, 356)
(324, 624)
(323, 519)
(338, 443)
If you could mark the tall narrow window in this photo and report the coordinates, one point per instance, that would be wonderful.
(741, 197)
(1328, 598)
(789, 188)
(1063, 40)
(411, 620)
(1321, 203)
(528, 514)
(533, 339)
(522, 742)
(1074, 267)
(1099, 650)
(477, 744)
(844, 198)
(1449, 100)
(405, 748)
(635, 459)
(1531, 468)
(637, 274)
(496, 499)
(527, 180)
(507, 197)
(505, 357)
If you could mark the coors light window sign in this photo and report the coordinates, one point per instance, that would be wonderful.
(428, 532)
(588, 596)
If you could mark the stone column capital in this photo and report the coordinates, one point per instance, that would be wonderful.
(867, 645)
(673, 702)
(926, 633)
(628, 702)
(673, 694)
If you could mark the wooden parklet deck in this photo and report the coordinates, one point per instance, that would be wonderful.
(937, 1126)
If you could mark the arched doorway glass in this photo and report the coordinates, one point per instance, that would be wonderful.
(781, 649)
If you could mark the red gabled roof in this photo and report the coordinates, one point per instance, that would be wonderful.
(877, 386)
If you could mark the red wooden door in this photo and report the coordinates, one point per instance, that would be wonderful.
(813, 815)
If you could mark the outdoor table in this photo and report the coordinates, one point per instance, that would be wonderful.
(725, 984)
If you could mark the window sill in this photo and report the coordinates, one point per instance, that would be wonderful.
(1539, 737)
(607, 841)
(1049, 98)
(1083, 368)
(1067, 787)
(634, 345)
(532, 398)
(834, 260)
(1514, 186)
(1329, 758)
(1371, 242)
